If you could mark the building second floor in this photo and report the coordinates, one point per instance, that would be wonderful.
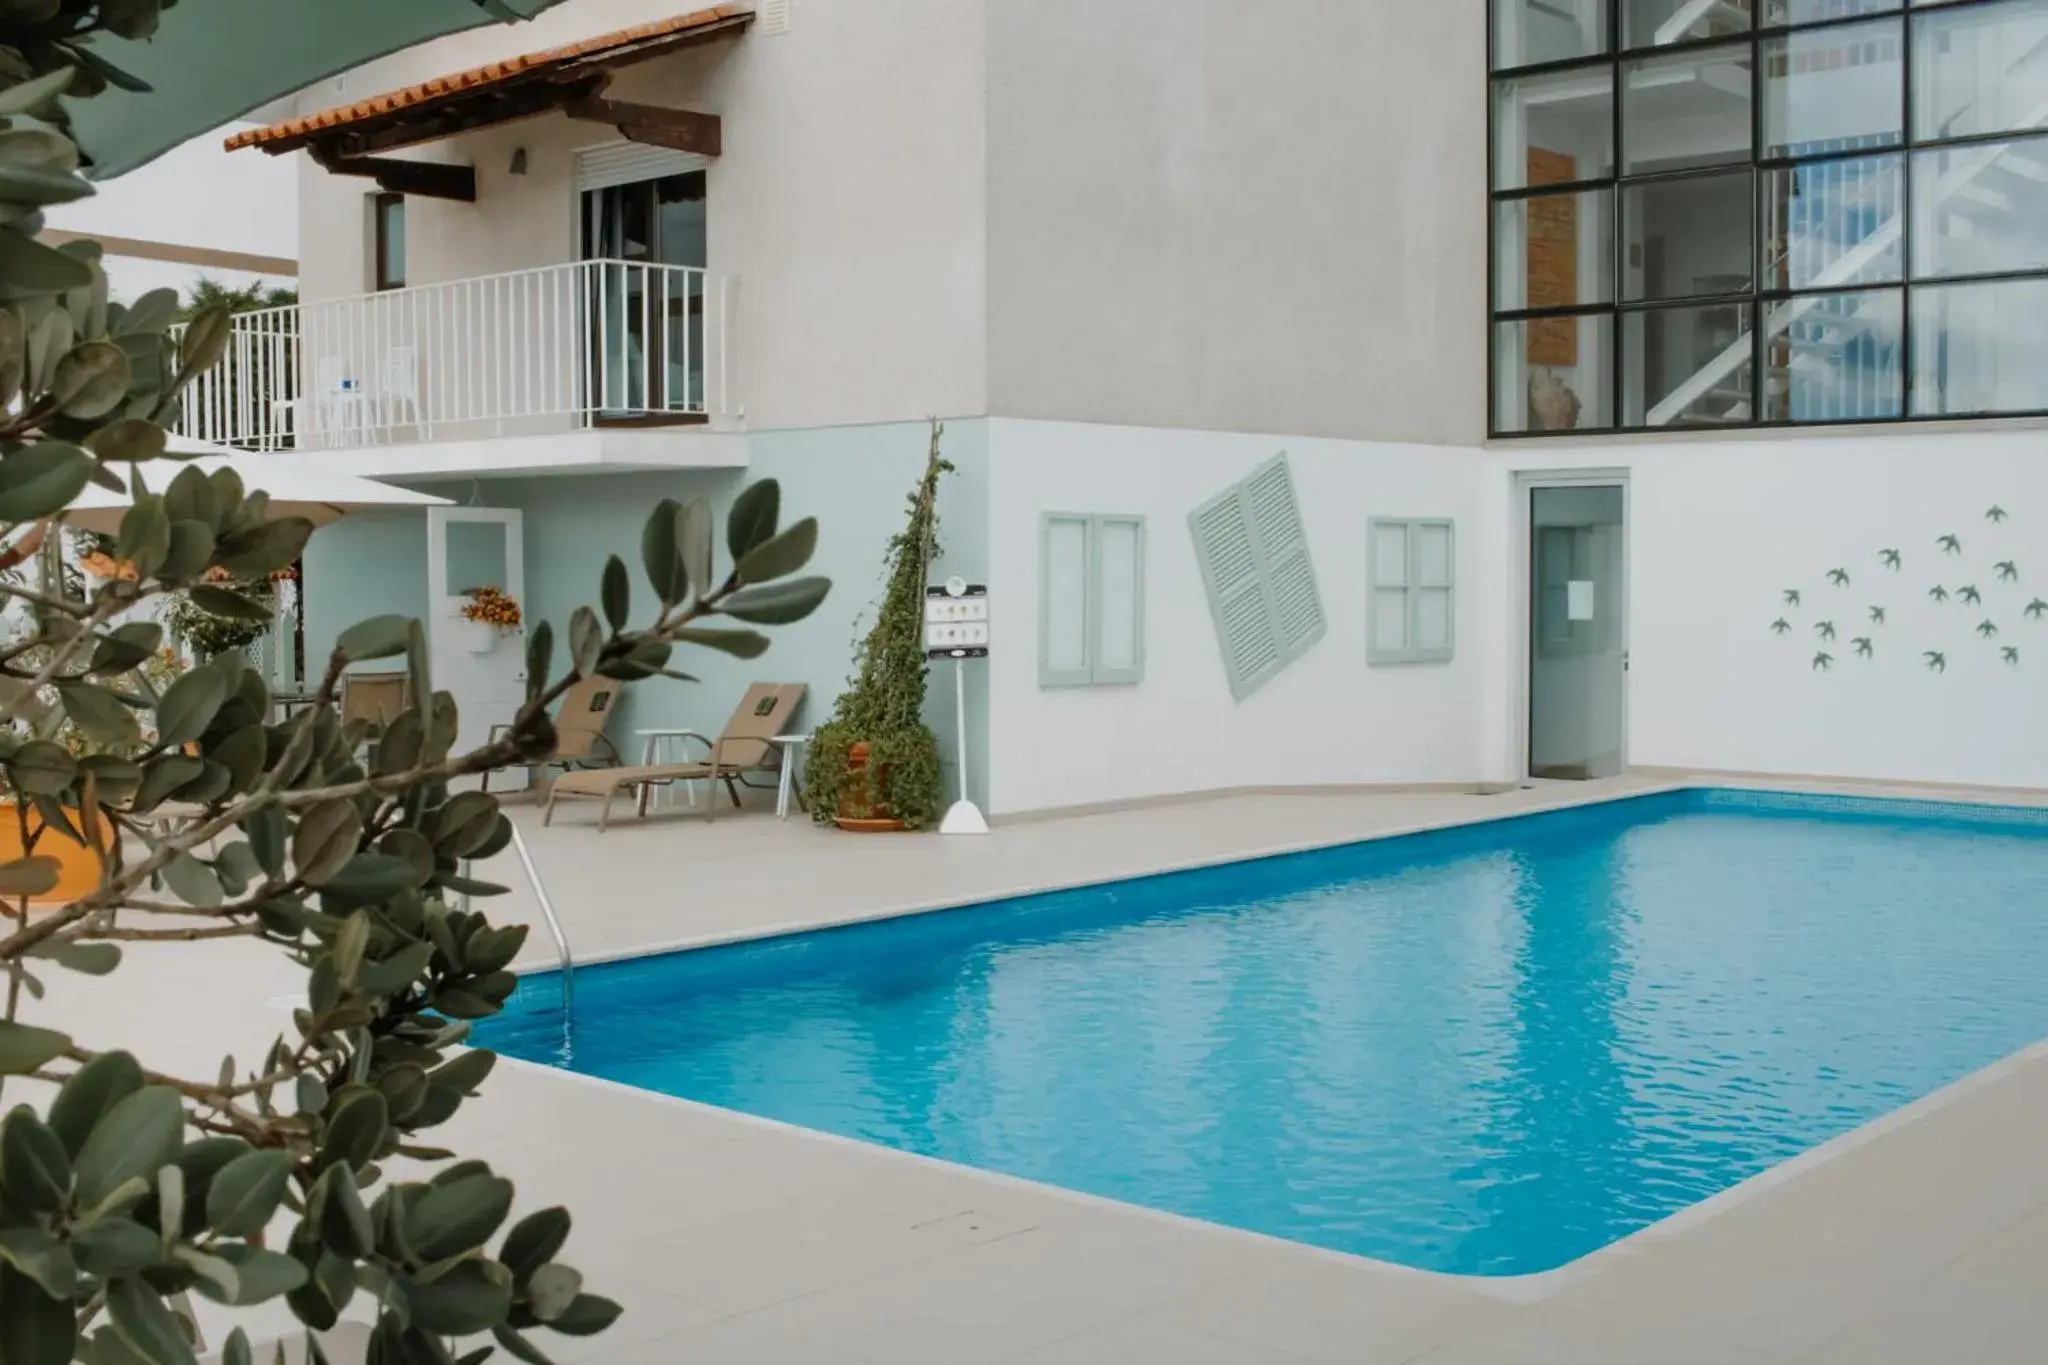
(746, 218)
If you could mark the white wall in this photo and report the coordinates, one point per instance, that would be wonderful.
(1721, 529)
(195, 195)
(1327, 718)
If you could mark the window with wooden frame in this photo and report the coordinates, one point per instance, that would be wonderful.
(387, 225)
(1091, 599)
(1410, 608)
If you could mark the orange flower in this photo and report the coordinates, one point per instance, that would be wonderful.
(100, 564)
(491, 607)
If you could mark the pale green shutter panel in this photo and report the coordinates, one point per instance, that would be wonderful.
(1231, 570)
(1283, 546)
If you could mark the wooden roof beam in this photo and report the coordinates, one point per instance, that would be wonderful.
(424, 179)
(678, 129)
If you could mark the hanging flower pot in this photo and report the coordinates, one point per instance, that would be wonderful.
(488, 614)
(476, 637)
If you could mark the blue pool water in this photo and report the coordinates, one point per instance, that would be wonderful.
(1487, 1051)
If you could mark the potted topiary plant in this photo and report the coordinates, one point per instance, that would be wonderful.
(875, 764)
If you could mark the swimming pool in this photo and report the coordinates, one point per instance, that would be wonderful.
(1486, 1050)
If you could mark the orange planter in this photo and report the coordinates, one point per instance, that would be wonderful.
(78, 867)
(861, 811)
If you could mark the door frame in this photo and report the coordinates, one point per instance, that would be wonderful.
(1522, 615)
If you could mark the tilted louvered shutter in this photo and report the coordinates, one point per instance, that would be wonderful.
(1283, 546)
(1237, 592)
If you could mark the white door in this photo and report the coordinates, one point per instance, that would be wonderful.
(483, 666)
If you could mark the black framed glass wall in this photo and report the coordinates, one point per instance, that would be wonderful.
(1711, 213)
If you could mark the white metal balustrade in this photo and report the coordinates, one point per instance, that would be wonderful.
(525, 352)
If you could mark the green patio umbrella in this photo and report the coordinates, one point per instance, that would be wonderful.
(211, 61)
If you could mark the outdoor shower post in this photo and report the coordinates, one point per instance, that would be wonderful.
(956, 628)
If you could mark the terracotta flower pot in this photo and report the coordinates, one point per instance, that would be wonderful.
(860, 810)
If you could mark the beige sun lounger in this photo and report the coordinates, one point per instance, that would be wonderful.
(580, 740)
(766, 711)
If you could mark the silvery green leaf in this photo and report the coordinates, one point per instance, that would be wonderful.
(326, 839)
(781, 555)
(205, 341)
(27, 267)
(616, 592)
(91, 380)
(245, 1194)
(694, 543)
(146, 1326)
(35, 1170)
(777, 604)
(753, 518)
(586, 640)
(35, 1329)
(551, 1290)
(23, 1048)
(379, 637)
(153, 312)
(132, 1140)
(87, 959)
(741, 644)
(193, 882)
(32, 95)
(40, 479)
(658, 556)
(189, 705)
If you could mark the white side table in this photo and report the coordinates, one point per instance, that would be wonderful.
(653, 742)
(792, 750)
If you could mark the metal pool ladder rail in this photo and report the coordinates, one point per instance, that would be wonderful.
(547, 910)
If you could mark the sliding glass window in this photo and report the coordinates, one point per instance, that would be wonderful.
(1715, 213)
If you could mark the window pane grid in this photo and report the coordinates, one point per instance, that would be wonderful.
(1765, 212)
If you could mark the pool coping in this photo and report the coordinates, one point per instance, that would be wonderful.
(1510, 1289)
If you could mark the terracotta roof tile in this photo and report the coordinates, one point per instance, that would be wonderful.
(589, 50)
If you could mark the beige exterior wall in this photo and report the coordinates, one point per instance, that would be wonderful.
(849, 200)
(1239, 215)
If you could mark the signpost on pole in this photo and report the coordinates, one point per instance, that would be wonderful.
(956, 628)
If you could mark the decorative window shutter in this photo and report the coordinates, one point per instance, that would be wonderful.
(1232, 572)
(626, 163)
(1283, 546)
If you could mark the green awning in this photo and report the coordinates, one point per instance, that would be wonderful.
(212, 61)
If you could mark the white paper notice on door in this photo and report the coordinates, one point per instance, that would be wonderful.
(1578, 604)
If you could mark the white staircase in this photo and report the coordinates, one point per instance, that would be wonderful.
(1987, 182)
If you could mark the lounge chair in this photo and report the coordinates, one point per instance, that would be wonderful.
(580, 740)
(767, 710)
(376, 698)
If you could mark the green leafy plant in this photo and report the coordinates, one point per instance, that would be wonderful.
(207, 633)
(122, 1187)
(883, 705)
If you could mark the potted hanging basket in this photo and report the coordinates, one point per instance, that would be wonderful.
(488, 615)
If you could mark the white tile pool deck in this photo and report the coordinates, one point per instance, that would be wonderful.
(1920, 1238)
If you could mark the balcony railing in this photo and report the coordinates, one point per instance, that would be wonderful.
(524, 353)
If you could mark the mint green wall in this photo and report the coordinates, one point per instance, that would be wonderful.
(855, 480)
(369, 564)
